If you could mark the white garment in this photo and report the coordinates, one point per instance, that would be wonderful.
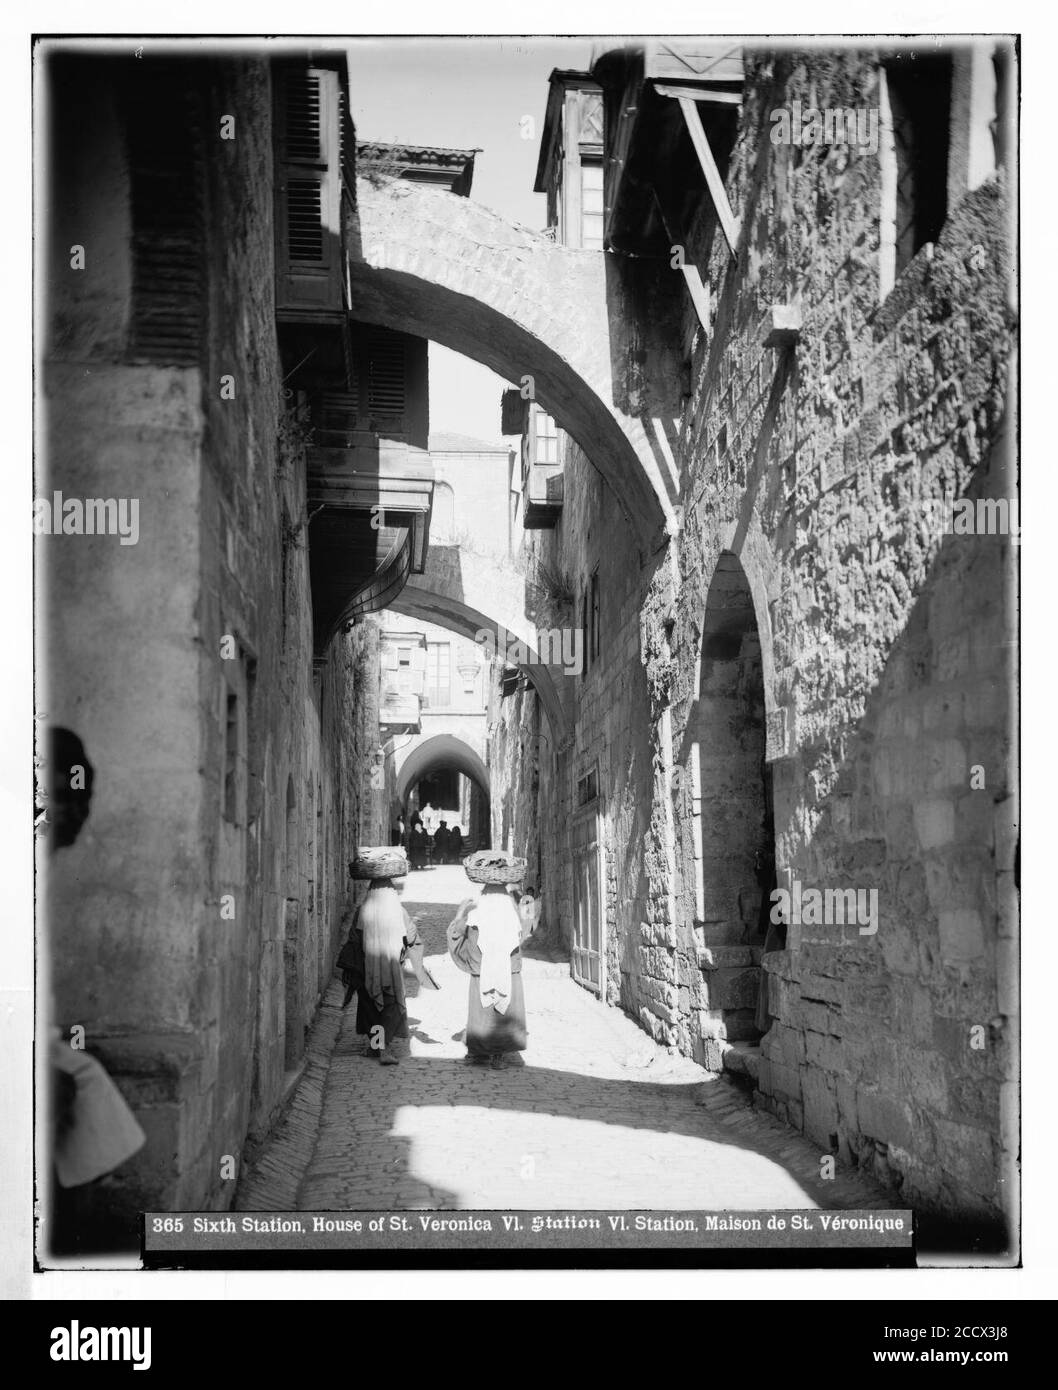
(499, 934)
(529, 912)
(103, 1132)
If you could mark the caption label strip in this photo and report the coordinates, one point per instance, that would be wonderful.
(505, 1230)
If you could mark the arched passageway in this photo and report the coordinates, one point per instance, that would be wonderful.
(447, 774)
(442, 267)
(469, 594)
(735, 849)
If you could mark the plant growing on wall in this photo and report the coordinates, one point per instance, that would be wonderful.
(293, 437)
(377, 170)
(551, 593)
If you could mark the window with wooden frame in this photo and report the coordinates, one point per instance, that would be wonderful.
(309, 269)
(545, 439)
(438, 674)
(915, 99)
(591, 205)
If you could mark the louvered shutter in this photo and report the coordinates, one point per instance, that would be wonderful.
(308, 190)
(386, 375)
(337, 417)
(163, 131)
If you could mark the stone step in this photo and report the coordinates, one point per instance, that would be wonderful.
(742, 1059)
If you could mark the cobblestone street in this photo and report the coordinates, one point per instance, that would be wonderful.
(598, 1115)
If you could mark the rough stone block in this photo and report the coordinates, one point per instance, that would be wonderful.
(786, 1081)
(948, 765)
(871, 997)
(1007, 906)
(724, 957)
(734, 989)
(934, 822)
(784, 1045)
(1007, 982)
(961, 934)
(966, 1152)
(974, 1100)
(884, 1118)
(815, 1016)
(824, 1051)
(1005, 833)
(820, 1106)
(974, 820)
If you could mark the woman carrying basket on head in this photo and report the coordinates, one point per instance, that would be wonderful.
(484, 940)
(372, 959)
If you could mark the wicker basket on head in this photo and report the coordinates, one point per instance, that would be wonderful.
(380, 861)
(494, 866)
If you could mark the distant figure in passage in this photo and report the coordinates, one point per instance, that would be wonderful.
(484, 939)
(372, 959)
(529, 911)
(418, 845)
(440, 844)
(400, 832)
(455, 845)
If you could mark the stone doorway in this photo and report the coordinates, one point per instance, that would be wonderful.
(734, 833)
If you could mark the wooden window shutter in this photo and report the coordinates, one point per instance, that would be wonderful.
(308, 190)
(386, 376)
(164, 139)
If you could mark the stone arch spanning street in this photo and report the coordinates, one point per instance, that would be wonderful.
(469, 594)
(442, 267)
(442, 750)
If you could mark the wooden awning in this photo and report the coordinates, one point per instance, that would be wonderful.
(369, 511)
(664, 93)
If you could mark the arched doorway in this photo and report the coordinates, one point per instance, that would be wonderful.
(449, 775)
(734, 823)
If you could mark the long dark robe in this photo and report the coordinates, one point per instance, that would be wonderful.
(393, 1016)
(488, 1031)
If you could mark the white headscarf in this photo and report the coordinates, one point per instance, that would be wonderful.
(499, 934)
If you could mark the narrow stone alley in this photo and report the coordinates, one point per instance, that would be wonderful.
(598, 1115)
(649, 516)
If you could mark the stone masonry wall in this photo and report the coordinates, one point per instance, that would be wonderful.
(887, 659)
(192, 928)
(609, 729)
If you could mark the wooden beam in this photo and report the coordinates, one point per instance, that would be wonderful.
(712, 174)
(699, 93)
(699, 292)
(696, 287)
